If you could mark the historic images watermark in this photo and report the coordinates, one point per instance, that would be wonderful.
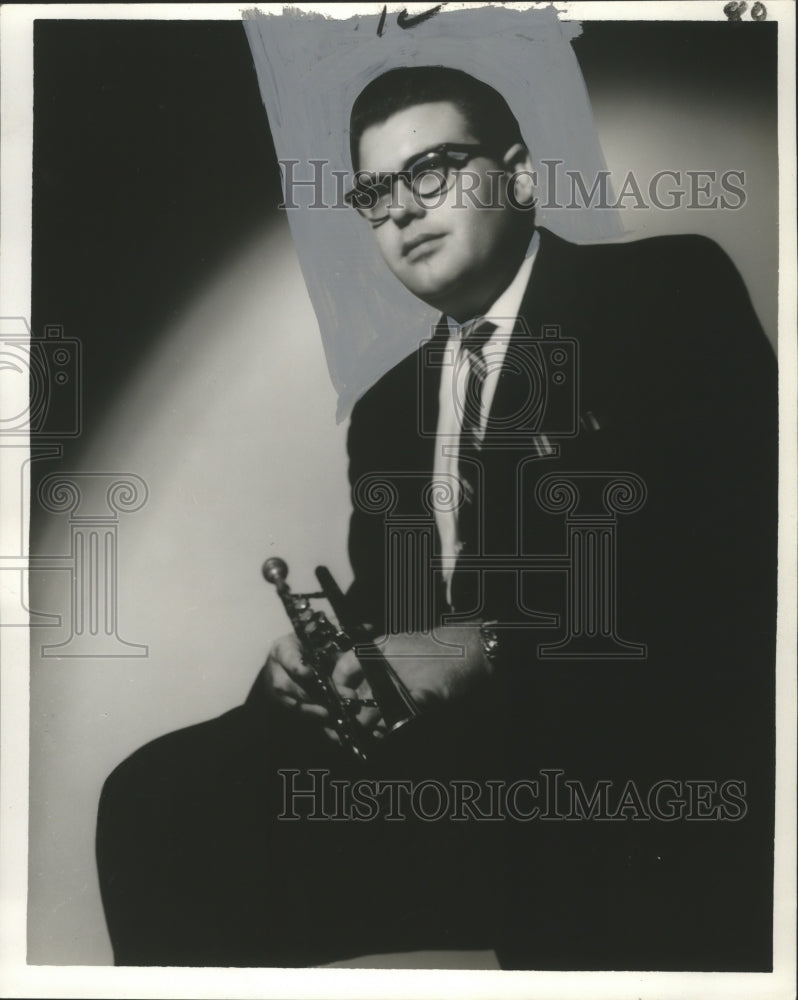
(316, 184)
(549, 795)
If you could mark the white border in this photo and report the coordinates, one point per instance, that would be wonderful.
(17, 979)
(16, 160)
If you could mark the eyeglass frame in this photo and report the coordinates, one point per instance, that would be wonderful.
(390, 179)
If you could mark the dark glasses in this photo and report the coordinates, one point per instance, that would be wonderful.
(428, 175)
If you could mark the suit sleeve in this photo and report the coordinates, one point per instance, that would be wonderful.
(714, 442)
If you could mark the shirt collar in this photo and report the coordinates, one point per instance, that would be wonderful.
(508, 304)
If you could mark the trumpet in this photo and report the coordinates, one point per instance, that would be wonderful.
(321, 643)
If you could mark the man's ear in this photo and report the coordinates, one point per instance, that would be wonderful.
(518, 164)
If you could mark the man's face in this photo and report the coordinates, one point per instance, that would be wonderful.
(456, 255)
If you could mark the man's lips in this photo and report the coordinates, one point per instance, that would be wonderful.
(418, 241)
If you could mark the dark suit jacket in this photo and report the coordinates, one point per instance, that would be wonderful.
(677, 386)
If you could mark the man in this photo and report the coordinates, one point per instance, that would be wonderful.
(676, 399)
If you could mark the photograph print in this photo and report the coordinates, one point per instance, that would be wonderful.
(403, 489)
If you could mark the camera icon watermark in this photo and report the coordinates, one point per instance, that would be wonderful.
(539, 397)
(40, 381)
(41, 407)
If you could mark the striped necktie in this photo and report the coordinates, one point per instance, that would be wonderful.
(475, 335)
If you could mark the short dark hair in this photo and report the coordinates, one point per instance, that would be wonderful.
(486, 111)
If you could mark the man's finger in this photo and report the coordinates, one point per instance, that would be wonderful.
(286, 689)
(369, 718)
(312, 710)
(295, 697)
(288, 654)
(347, 671)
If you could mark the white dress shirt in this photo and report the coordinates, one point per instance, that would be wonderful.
(454, 373)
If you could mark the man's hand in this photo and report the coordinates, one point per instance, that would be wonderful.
(436, 670)
(291, 683)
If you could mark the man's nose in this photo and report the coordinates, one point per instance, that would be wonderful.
(404, 205)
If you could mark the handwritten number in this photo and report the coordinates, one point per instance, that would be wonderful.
(733, 10)
(405, 21)
(736, 8)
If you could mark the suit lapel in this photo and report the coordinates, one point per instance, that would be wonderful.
(430, 359)
(556, 298)
(517, 377)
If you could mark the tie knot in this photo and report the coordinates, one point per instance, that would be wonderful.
(476, 333)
